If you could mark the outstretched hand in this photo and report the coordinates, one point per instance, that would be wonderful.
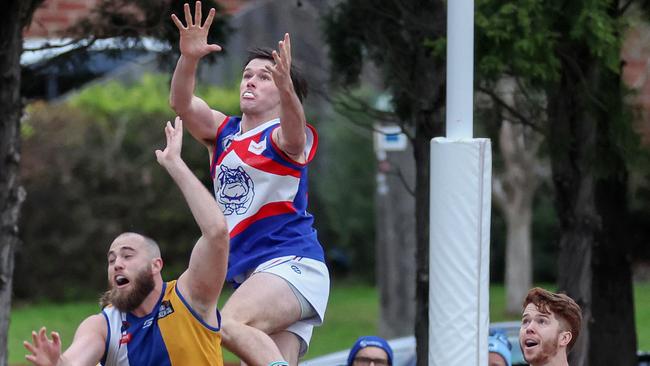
(174, 136)
(194, 36)
(44, 352)
(281, 71)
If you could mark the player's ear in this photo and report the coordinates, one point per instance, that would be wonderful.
(156, 265)
(565, 338)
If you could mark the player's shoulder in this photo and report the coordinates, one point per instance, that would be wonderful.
(95, 323)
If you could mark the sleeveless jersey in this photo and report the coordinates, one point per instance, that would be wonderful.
(172, 334)
(263, 195)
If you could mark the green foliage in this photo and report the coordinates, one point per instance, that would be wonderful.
(521, 37)
(90, 172)
(348, 209)
(514, 37)
(392, 35)
(599, 25)
(148, 97)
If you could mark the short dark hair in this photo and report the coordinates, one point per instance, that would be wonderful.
(561, 305)
(151, 245)
(298, 80)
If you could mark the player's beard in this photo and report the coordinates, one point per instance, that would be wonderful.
(128, 300)
(548, 351)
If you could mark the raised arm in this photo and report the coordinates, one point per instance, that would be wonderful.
(290, 137)
(201, 283)
(87, 347)
(200, 119)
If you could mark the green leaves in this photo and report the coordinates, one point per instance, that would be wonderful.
(515, 38)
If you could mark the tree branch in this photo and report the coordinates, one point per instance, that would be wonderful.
(522, 119)
(400, 175)
(624, 8)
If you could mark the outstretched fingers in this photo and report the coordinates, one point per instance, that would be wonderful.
(178, 23)
(188, 15)
(29, 347)
(56, 339)
(198, 13)
(178, 124)
(208, 20)
(42, 350)
(287, 48)
(168, 132)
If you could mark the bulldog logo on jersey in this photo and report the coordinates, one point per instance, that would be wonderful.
(236, 190)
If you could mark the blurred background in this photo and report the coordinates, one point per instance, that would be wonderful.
(562, 91)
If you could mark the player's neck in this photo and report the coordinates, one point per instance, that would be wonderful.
(559, 359)
(147, 306)
(250, 121)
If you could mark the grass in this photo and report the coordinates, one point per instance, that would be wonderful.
(642, 314)
(352, 311)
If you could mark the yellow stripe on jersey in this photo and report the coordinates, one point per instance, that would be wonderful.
(189, 340)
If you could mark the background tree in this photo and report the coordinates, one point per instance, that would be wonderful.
(18, 14)
(571, 52)
(149, 19)
(392, 34)
(515, 182)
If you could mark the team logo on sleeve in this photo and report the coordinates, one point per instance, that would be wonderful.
(225, 143)
(236, 190)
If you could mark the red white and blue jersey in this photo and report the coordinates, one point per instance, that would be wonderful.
(263, 195)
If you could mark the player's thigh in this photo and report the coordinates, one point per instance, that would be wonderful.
(264, 301)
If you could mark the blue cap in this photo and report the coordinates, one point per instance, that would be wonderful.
(370, 341)
(498, 343)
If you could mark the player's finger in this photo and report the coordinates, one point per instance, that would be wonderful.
(208, 20)
(168, 133)
(29, 347)
(287, 42)
(41, 335)
(282, 54)
(178, 23)
(276, 57)
(56, 339)
(35, 340)
(281, 47)
(188, 16)
(198, 13)
(287, 46)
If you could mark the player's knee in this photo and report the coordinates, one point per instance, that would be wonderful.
(232, 316)
(240, 322)
(226, 333)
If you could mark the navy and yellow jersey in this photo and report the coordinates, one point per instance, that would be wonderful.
(172, 334)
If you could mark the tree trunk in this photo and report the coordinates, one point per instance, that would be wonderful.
(11, 193)
(513, 192)
(519, 274)
(426, 128)
(590, 179)
(421, 150)
(395, 238)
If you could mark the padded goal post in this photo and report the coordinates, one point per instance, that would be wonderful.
(460, 194)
